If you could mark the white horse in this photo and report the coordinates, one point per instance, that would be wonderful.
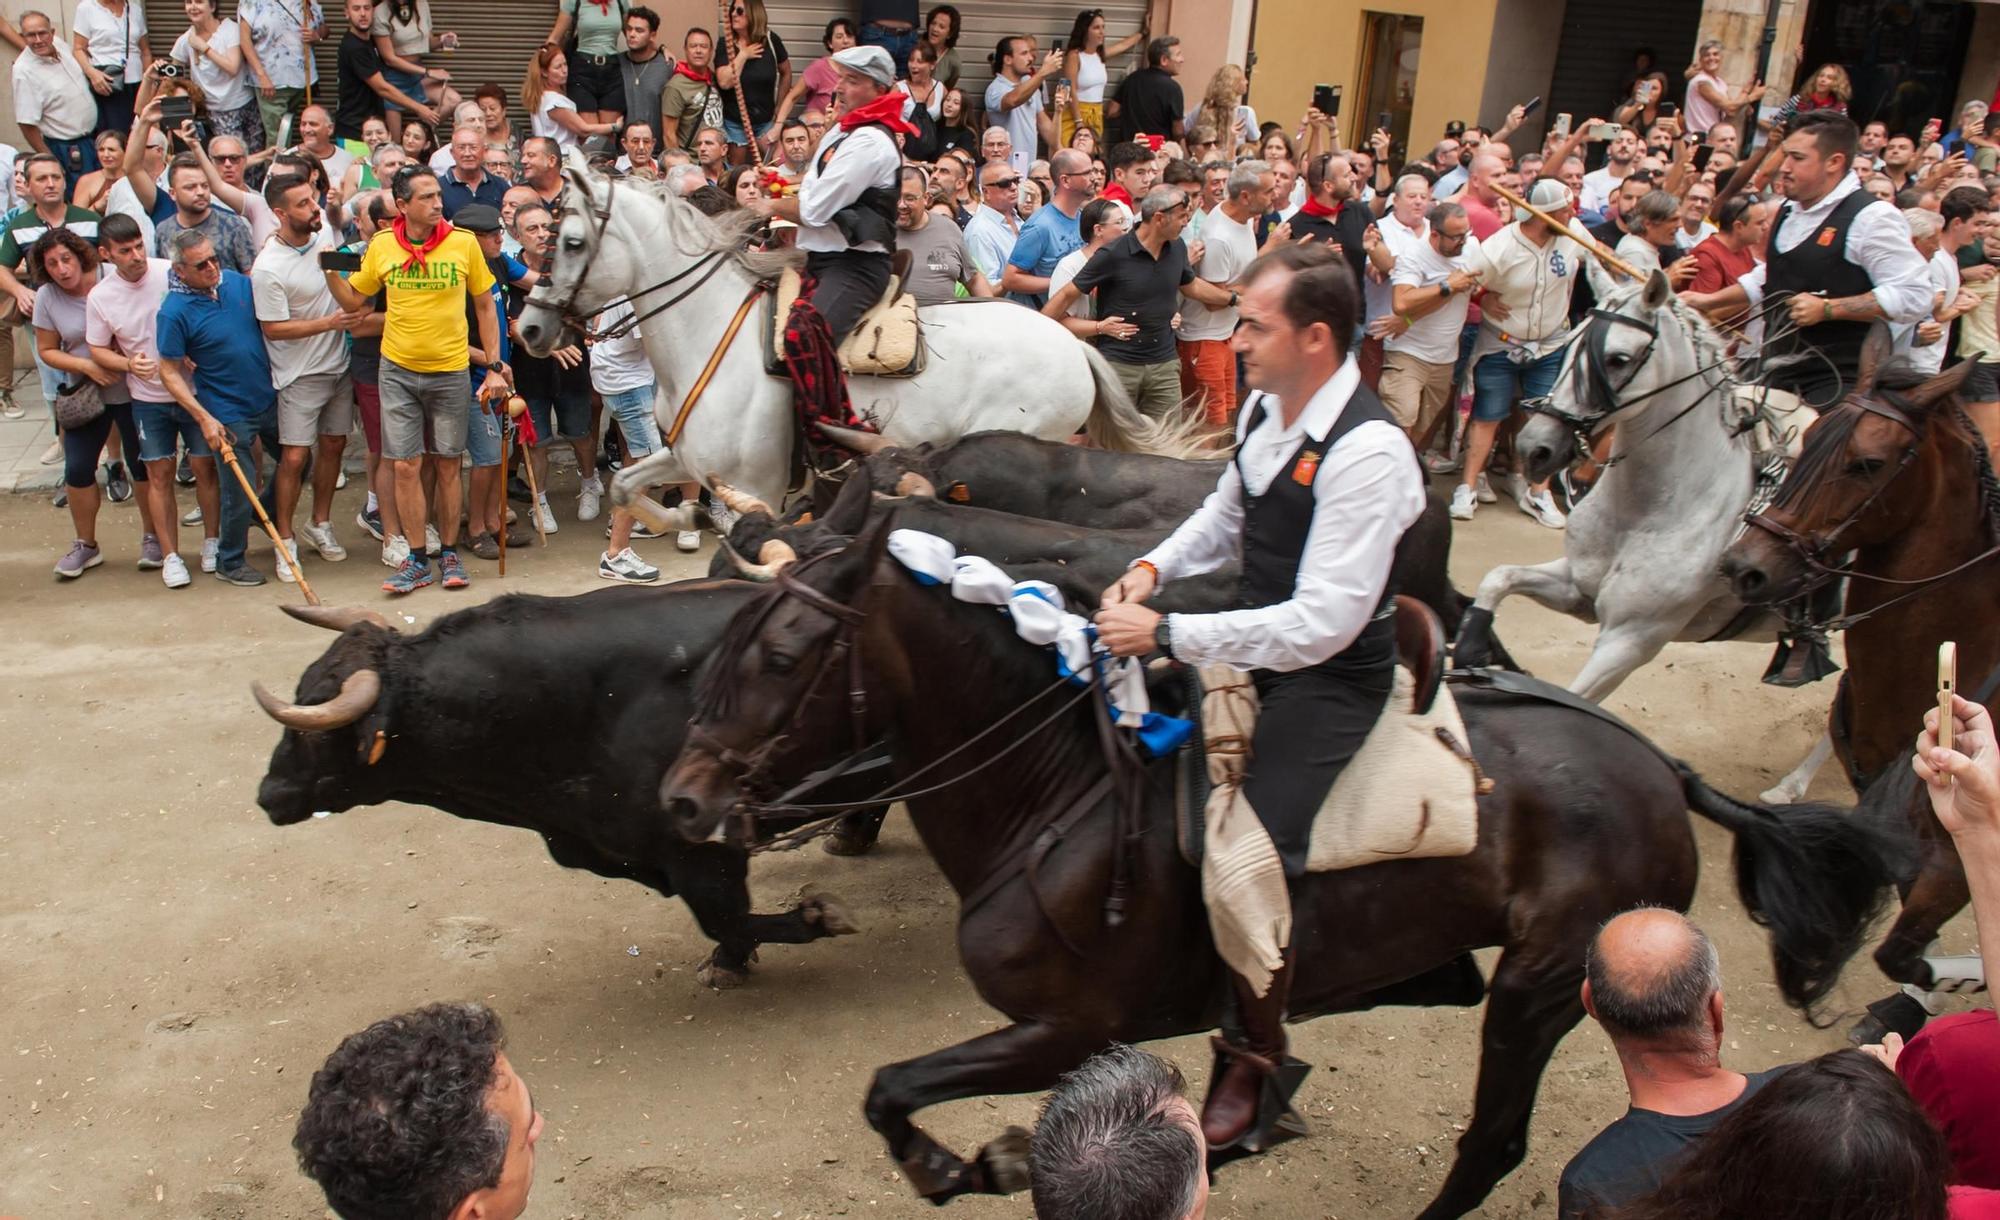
(1641, 552)
(990, 365)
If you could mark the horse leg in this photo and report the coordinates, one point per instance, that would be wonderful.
(1938, 893)
(855, 834)
(1528, 1010)
(1018, 1059)
(1618, 650)
(1789, 789)
(713, 881)
(628, 489)
(1548, 583)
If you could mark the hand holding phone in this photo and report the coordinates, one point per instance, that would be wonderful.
(339, 260)
(1562, 125)
(1534, 104)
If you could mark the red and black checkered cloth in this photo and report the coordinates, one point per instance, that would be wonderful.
(819, 387)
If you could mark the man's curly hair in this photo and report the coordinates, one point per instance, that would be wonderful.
(395, 1126)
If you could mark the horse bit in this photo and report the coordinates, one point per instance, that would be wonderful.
(1602, 392)
(600, 219)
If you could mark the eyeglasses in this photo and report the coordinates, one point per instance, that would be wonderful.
(1453, 238)
(211, 261)
(228, 158)
(1005, 184)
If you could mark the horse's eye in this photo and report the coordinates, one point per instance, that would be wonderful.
(1618, 360)
(1863, 467)
(573, 244)
(780, 662)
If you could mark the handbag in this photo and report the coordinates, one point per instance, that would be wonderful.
(79, 404)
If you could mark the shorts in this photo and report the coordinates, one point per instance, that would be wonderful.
(368, 405)
(160, 424)
(315, 405)
(734, 133)
(1498, 383)
(572, 415)
(1983, 383)
(633, 409)
(595, 82)
(482, 434)
(411, 83)
(412, 400)
(1414, 390)
(83, 445)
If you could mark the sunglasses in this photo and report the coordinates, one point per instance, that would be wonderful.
(229, 158)
(1005, 184)
(211, 261)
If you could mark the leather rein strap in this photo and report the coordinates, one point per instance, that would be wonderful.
(673, 436)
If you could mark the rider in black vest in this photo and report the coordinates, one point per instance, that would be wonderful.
(1838, 260)
(846, 205)
(1322, 486)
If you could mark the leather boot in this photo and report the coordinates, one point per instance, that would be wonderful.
(1230, 1112)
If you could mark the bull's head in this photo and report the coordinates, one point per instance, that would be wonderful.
(336, 732)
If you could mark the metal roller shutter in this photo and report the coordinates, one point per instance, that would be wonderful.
(1598, 41)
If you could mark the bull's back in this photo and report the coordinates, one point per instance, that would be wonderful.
(1021, 474)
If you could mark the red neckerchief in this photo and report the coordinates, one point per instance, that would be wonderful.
(1117, 193)
(682, 68)
(418, 254)
(886, 110)
(1313, 207)
(603, 5)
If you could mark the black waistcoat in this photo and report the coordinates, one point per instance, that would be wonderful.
(1277, 523)
(1819, 265)
(873, 216)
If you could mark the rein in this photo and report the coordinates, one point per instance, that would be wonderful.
(1599, 389)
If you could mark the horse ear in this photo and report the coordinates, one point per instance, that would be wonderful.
(1658, 290)
(863, 555)
(1874, 354)
(577, 170)
(1945, 385)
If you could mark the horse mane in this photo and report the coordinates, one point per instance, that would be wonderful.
(695, 233)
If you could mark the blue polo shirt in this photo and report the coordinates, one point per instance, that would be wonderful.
(491, 191)
(232, 373)
(1044, 240)
(506, 270)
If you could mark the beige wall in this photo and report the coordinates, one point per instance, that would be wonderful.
(1300, 43)
(58, 9)
(1739, 24)
(1212, 33)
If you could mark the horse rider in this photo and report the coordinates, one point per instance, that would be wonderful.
(1839, 259)
(846, 204)
(1322, 485)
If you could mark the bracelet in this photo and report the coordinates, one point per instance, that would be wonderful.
(1150, 566)
(1827, 314)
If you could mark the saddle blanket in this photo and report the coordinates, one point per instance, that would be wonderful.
(1408, 794)
(887, 342)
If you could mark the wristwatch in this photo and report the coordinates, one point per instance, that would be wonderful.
(1234, 297)
(1445, 290)
(1163, 636)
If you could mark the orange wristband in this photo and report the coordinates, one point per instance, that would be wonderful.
(1150, 566)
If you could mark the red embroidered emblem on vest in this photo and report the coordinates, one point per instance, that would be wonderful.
(1826, 236)
(1302, 474)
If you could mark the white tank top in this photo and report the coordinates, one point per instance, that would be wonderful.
(1090, 78)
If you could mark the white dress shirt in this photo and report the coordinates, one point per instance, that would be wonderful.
(860, 159)
(1878, 242)
(1400, 240)
(52, 93)
(1367, 493)
(1943, 272)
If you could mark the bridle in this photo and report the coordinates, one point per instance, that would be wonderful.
(1601, 390)
(599, 221)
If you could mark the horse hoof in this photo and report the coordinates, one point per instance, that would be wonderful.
(840, 843)
(719, 977)
(1005, 1161)
(827, 914)
(1780, 794)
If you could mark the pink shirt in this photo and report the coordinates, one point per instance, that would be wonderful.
(122, 315)
(821, 76)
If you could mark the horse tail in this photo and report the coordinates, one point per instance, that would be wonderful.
(1816, 875)
(1116, 423)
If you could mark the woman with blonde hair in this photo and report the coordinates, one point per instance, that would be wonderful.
(550, 111)
(1829, 89)
(1222, 107)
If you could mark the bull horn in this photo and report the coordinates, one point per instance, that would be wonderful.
(741, 503)
(336, 618)
(855, 439)
(914, 484)
(771, 556)
(357, 694)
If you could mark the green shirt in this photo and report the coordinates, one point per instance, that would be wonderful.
(25, 230)
(600, 30)
(683, 100)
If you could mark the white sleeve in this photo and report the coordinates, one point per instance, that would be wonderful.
(27, 99)
(267, 292)
(865, 158)
(1879, 243)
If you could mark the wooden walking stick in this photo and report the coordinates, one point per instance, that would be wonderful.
(1947, 686)
(228, 456)
(516, 405)
(1587, 242)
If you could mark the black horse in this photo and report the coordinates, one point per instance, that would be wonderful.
(1586, 819)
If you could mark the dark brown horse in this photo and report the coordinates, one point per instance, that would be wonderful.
(1896, 478)
(1585, 820)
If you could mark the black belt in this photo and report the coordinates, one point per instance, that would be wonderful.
(596, 61)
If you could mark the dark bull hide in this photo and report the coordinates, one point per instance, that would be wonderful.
(555, 714)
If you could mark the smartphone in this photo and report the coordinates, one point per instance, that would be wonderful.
(1382, 121)
(1562, 125)
(339, 260)
(1668, 110)
(1701, 156)
(1603, 131)
(1058, 48)
(175, 110)
(1326, 100)
(1534, 104)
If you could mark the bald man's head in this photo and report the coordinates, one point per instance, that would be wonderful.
(1651, 976)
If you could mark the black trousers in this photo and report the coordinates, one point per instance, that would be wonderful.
(850, 282)
(1309, 727)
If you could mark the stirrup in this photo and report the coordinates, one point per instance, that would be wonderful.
(1276, 1120)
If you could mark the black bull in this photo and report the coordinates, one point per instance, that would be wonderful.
(554, 714)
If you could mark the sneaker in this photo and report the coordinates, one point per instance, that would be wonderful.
(184, 473)
(320, 535)
(53, 453)
(192, 516)
(590, 501)
(1441, 463)
(174, 573)
(340, 480)
(370, 520)
(688, 540)
(288, 572)
(116, 485)
(10, 408)
(413, 575)
(209, 548)
(150, 557)
(432, 543)
(543, 517)
(486, 546)
(243, 576)
(1463, 503)
(395, 551)
(1542, 508)
(82, 557)
(452, 570)
(1484, 490)
(62, 498)
(723, 517)
(1572, 490)
(640, 530)
(626, 566)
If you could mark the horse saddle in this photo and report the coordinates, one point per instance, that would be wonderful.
(887, 342)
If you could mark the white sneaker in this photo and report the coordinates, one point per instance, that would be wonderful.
(590, 501)
(192, 516)
(688, 540)
(395, 551)
(723, 516)
(1463, 503)
(288, 572)
(432, 543)
(544, 519)
(1484, 490)
(340, 480)
(174, 573)
(321, 537)
(1542, 507)
(209, 547)
(626, 566)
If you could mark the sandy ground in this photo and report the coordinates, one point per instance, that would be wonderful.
(176, 967)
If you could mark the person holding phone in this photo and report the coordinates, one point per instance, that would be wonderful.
(1084, 54)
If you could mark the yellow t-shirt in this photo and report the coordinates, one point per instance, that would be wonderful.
(425, 331)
